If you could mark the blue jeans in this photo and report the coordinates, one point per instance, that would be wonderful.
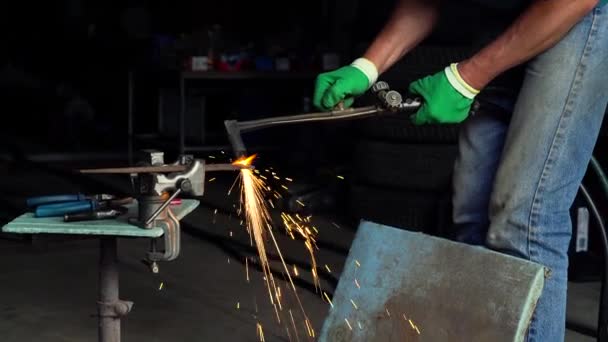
(515, 180)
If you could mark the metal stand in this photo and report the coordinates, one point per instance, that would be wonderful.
(109, 307)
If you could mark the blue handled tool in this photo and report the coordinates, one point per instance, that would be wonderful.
(36, 201)
(61, 209)
(60, 205)
(62, 198)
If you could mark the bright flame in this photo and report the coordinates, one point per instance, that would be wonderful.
(245, 161)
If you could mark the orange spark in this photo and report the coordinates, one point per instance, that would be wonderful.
(260, 332)
(295, 270)
(328, 300)
(293, 322)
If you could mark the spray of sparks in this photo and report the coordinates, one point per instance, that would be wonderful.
(297, 226)
(257, 220)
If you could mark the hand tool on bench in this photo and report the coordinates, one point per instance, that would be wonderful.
(61, 198)
(104, 214)
(49, 206)
(388, 101)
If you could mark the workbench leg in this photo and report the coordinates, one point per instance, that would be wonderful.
(110, 307)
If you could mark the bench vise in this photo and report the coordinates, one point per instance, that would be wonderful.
(156, 185)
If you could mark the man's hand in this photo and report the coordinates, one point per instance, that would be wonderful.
(448, 95)
(344, 84)
(447, 98)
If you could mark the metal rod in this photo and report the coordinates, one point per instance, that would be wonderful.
(130, 118)
(139, 169)
(166, 168)
(203, 133)
(108, 325)
(224, 167)
(182, 114)
(162, 207)
(312, 117)
(160, 123)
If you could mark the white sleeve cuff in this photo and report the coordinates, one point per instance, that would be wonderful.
(451, 72)
(368, 68)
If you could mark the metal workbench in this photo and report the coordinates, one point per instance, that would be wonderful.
(110, 308)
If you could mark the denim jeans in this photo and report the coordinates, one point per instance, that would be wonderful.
(515, 180)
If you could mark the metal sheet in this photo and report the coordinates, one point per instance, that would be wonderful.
(450, 291)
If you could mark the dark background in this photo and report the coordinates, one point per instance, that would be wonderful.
(55, 52)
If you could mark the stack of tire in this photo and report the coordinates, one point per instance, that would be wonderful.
(402, 172)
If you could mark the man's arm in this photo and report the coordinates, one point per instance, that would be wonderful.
(541, 26)
(411, 22)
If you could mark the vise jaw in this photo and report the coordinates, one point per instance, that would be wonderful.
(159, 183)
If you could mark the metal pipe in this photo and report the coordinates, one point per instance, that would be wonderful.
(138, 169)
(130, 118)
(182, 115)
(164, 168)
(595, 165)
(234, 128)
(108, 323)
(312, 117)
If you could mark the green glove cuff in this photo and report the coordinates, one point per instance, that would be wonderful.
(368, 68)
(447, 97)
(451, 72)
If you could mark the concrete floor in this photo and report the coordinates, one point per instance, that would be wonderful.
(49, 286)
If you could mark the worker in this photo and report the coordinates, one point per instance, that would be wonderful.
(514, 180)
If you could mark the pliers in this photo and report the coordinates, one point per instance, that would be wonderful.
(60, 205)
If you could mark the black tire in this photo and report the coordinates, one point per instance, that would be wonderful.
(414, 211)
(406, 166)
(399, 128)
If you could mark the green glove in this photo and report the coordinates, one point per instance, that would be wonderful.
(447, 97)
(344, 84)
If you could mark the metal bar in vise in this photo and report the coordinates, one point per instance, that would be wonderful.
(162, 169)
